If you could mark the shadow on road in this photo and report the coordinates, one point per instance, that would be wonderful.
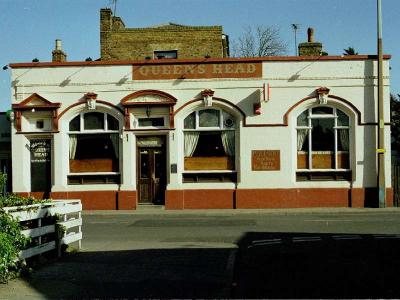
(267, 265)
(296, 265)
(164, 273)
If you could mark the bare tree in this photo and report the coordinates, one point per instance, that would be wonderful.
(261, 41)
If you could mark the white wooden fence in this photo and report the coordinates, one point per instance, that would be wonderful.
(69, 220)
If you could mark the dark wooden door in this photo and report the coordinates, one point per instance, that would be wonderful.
(40, 165)
(152, 175)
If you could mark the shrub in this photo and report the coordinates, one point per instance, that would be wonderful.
(11, 243)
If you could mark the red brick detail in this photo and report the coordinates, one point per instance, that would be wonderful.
(199, 199)
(174, 199)
(126, 200)
(99, 200)
(226, 199)
(368, 197)
(205, 199)
(291, 198)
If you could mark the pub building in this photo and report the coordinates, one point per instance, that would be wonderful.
(200, 133)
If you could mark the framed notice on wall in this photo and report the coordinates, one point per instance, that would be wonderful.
(265, 160)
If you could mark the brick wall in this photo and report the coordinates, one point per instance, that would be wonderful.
(119, 43)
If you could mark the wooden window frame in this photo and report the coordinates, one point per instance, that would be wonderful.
(318, 173)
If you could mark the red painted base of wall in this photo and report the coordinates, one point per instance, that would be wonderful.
(199, 199)
(101, 200)
(229, 199)
(274, 198)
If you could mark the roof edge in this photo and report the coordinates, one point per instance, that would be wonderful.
(195, 60)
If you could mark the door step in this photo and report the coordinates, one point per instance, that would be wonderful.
(150, 207)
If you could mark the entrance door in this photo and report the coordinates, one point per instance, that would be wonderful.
(151, 175)
(40, 165)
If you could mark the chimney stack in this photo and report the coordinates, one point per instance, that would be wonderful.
(310, 48)
(58, 54)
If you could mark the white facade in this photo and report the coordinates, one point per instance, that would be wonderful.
(286, 89)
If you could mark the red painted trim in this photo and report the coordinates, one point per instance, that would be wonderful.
(171, 99)
(214, 98)
(195, 60)
(25, 102)
(286, 115)
(84, 102)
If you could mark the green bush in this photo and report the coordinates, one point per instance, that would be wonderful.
(11, 239)
(11, 243)
(3, 181)
(14, 200)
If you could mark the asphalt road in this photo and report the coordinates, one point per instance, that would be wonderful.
(221, 254)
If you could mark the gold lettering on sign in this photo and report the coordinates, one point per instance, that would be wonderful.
(265, 160)
(199, 70)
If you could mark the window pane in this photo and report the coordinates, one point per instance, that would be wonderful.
(190, 121)
(343, 139)
(209, 144)
(302, 120)
(166, 54)
(229, 120)
(112, 123)
(75, 124)
(151, 122)
(90, 146)
(322, 135)
(343, 119)
(94, 120)
(322, 110)
(209, 118)
(302, 139)
(144, 164)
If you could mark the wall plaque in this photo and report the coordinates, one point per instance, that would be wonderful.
(265, 160)
(197, 70)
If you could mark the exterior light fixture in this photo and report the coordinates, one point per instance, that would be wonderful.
(207, 95)
(148, 111)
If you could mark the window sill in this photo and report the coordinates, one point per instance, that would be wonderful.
(324, 175)
(209, 177)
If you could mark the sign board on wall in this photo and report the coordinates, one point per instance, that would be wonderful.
(197, 70)
(265, 160)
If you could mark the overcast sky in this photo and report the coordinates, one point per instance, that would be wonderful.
(28, 28)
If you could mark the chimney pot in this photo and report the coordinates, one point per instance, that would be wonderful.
(58, 55)
(310, 33)
(58, 44)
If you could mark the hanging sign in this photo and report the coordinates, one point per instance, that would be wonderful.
(40, 151)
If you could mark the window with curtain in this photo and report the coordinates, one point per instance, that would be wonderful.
(209, 140)
(323, 144)
(93, 148)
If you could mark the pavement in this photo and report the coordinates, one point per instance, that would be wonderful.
(279, 253)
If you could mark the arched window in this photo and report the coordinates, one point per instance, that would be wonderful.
(209, 143)
(323, 144)
(93, 148)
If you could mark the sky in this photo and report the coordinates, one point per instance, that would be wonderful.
(28, 28)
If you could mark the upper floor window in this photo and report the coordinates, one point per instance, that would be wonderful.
(93, 121)
(323, 144)
(168, 54)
